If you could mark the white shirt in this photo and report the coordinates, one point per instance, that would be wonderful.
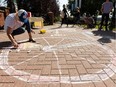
(12, 22)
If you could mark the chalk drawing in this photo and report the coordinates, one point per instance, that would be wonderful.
(37, 79)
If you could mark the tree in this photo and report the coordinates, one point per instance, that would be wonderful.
(91, 6)
(39, 7)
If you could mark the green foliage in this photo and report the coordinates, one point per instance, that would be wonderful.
(57, 18)
(39, 7)
(91, 6)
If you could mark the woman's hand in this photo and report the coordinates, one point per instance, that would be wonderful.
(15, 44)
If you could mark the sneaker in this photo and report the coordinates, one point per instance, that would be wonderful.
(31, 40)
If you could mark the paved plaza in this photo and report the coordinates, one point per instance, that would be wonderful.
(62, 57)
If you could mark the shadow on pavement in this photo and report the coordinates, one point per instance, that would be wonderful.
(2, 31)
(60, 27)
(57, 27)
(106, 36)
(5, 44)
(104, 40)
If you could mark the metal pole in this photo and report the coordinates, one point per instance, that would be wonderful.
(80, 3)
(76, 3)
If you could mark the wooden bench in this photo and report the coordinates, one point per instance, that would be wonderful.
(37, 22)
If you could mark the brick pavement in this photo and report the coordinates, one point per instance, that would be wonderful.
(62, 57)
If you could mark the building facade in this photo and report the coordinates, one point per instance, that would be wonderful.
(74, 4)
(78, 3)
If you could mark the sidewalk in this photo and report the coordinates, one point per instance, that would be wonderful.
(62, 57)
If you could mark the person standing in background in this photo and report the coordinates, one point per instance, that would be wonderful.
(64, 16)
(105, 9)
(76, 16)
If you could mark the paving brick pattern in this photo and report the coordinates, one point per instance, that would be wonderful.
(62, 57)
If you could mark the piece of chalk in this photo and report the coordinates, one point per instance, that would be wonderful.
(17, 50)
(10, 50)
(28, 51)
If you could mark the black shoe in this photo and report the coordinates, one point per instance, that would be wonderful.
(31, 40)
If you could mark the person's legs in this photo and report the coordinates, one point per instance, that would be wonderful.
(74, 21)
(106, 21)
(78, 20)
(28, 28)
(66, 21)
(62, 21)
(102, 20)
(18, 31)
